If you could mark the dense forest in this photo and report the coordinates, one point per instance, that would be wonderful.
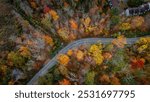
(32, 32)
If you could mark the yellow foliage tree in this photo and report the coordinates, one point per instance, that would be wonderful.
(96, 52)
(63, 33)
(143, 44)
(95, 48)
(145, 40)
(125, 26)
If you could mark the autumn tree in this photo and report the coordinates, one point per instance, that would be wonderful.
(63, 59)
(137, 22)
(15, 59)
(25, 52)
(48, 40)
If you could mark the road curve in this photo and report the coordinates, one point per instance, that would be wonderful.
(72, 45)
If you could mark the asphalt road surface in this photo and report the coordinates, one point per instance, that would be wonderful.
(72, 45)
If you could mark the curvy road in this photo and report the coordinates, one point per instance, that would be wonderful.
(72, 45)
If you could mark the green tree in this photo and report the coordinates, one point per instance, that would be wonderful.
(89, 80)
(46, 80)
(15, 59)
(134, 3)
(114, 11)
(115, 20)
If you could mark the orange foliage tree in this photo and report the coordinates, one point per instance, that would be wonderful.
(63, 59)
(48, 40)
(64, 82)
(73, 24)
(25, 52)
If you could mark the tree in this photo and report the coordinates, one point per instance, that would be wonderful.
(115, 20)
(114, 12)
(64, 82)
(48, 40)
(125, 26)
(25, 52)
(89, 79)
(15, 59)
(134, 3)
(96, 52)
(137, 22)
(73, 24)
(63, 59)
(54, 15)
